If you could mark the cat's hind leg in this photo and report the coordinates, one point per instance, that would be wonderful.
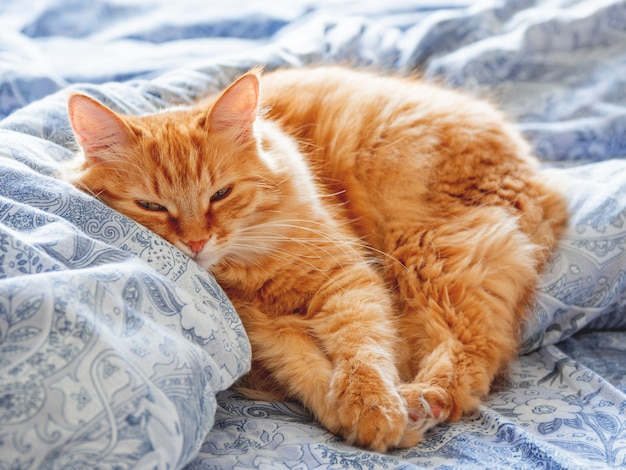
(461, 289)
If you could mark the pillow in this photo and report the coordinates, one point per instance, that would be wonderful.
(112, 343)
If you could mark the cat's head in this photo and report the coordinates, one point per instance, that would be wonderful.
(204, 178)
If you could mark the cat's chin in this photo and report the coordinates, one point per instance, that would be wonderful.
(208, 257)
(203, 259)
(206, 261)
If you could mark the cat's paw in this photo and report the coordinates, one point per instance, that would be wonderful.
(427, 407)
(371, 413)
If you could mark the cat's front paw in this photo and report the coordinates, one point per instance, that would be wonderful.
(371, 412)
(427, 407)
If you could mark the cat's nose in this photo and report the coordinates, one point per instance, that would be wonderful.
(196, 246)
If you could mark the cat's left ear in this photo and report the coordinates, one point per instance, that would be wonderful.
(96, 127)
(237, 107)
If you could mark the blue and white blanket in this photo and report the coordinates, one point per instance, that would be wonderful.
(116, 351)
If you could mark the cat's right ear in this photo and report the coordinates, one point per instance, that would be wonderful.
(96, 127)
(237, 107)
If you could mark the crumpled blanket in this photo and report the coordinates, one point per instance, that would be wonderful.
(116, 351)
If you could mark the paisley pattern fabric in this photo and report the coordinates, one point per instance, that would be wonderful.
(112, 345)
(116, 351)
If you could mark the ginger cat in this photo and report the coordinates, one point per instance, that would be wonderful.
(380, 237)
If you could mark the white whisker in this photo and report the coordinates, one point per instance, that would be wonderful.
(357, 246)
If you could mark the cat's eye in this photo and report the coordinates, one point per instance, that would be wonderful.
(151, 206)
(221, 194)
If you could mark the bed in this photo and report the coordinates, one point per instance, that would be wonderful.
(116, 351)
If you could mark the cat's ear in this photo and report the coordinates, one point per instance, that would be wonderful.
(97, 128)
(237, 107)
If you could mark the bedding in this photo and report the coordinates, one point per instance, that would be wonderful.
(116, 351)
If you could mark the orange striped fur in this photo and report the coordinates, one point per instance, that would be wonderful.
(380, 237)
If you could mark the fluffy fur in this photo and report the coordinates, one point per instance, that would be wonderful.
(380, 237)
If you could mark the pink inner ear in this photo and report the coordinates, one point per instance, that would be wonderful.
(96, 127)
(237, 107)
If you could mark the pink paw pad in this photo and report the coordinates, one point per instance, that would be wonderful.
(416, 417)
